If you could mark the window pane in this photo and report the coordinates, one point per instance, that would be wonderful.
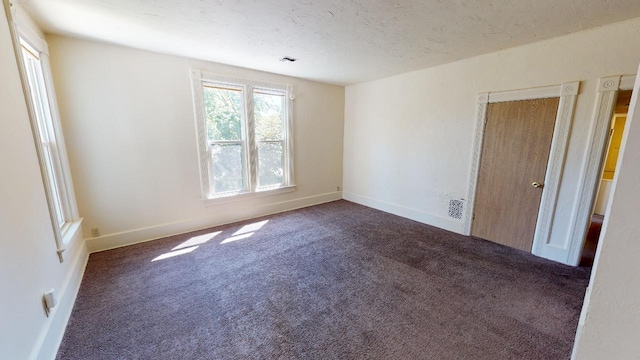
(227, 167)
(269, 113)
(36, 93)
(223, 113)
(270, 164)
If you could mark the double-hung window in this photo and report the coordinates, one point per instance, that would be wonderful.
(244, 136)
(49, 141)
(46, 132)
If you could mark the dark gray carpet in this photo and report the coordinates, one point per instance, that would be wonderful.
(334, 281)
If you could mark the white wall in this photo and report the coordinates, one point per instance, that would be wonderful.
(130, 133)
(28, 261)
(408, 138)
(610, 320)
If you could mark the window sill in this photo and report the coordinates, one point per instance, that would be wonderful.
(69, 231)
(248, 195)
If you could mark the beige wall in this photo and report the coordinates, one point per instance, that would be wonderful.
(28, 261)
(130, 133)
(408, 138)
(610, 320)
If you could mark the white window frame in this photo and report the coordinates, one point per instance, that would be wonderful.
(201, 79)
(47, 130)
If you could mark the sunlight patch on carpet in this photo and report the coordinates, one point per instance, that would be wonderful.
(251, 228)
(175, 253)
(197, 240)
(236, 238)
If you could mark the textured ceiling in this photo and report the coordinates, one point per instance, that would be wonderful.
(339, 42)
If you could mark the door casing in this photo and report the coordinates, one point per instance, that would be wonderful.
(567, 93)
(608, 88)
(516, 144)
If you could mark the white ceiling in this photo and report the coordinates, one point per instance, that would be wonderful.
(339, 42)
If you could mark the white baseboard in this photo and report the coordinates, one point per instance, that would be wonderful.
(51, 336)
(115, 240)
(409, 213)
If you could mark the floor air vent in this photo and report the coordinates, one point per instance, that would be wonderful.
(455, 208)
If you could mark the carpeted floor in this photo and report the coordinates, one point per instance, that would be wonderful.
(334, 281)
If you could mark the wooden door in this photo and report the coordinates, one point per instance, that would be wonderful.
(515, 152)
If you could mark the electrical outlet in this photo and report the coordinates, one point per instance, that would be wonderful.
(338, 188)
(49, 301)
(95, 232)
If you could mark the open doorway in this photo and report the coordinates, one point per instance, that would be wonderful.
(607, 172)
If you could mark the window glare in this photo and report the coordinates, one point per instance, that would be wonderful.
(270, 162)
(226, 161)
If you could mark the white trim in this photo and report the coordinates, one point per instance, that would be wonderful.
(288, 164)
(542, 92)
(406, 212)
(214, 78)
(222, 198)
(251, 155)
(226, 215)
(201, 132)
(611, 83)
(627, 82)
(28, 30)
(478, 137)
(608, 88)
(50, 337)
(567, 93)
(555, 167)
(70, 231)
(534, 93)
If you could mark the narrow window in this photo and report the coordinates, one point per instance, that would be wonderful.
(39, 95)
(46, 134)
(224, 111)
(269, 114)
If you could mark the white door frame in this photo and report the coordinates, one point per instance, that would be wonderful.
(590, 178)
(567, 93)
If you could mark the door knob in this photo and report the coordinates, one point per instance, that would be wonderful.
(536, 184)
